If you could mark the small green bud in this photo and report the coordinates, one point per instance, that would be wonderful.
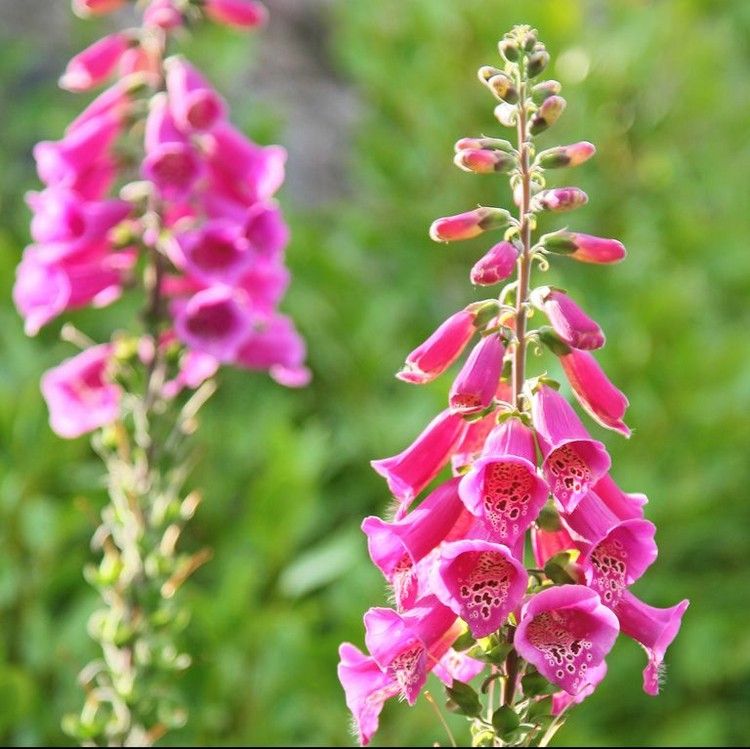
(542, 91)
(530, 41)
(508, 49)
(538, 61)
(503, 88)
(488, 71)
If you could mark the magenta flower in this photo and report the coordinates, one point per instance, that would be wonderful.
(654, 628)
(471, 445)
(195, 368)
(560, 199)
(46, 288)
(171, 162)
(215, 321)
(95, 64)
(408, 646)
(545, 544)
(624, 505)
(565, 632)
(194, 104)
(81, 160)
(573, 462)
(431, 358)
(276, 346)
(162, 14)
(502, 487)
(480, 581)
(396, 547)
(469, 224)
(366, 687)
(584, 247)
(79, 393)
(496, 265)
(96, 7)
(266, 230)
(475, 385)
(244, 14)
(619, 559)
(411, 470)
(561, 701)
(216, 252)
(605, 403)
(570, 322)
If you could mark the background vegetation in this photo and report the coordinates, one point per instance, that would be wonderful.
(663, 89)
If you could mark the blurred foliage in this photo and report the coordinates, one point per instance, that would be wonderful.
(663, 89)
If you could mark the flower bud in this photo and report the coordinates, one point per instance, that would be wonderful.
(572, 155)
(530, 41)
(85, 8)
(568, 320)
(584, 247)
(493, 144)
(503, 88)
(241, 14)
(469, 224)
(476, 383)
(547, 114)
(542, 91)
(560, 199)
(508, 49)
(488, 71)
(483, 161)
(538, 61)
(506, 114)
(495, 266)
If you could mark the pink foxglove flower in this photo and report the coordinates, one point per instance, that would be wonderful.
(654, 628)
(95, 64)
(475, 385)
(468, 225)
(481, 581)
(565, 631)
(411, 470)
(215, 321)
(503, 487)
(79, 393)
(573, 462)
(396, 547)
(239, 13)
(495, 266)
(585, 247)
(367, 687)
(164, 14)
(431, 358)
(409, 645)
(602, 400)
(570, 322)
(96, 7)
(171, 162)
(194, 103)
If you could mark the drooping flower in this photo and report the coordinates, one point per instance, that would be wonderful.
(481, 581)
(476, 383)
(411, 470)
(95, 64)
(604, 402)
(244, 14)
(468, 225)
(584, 247)
(573, 461)
(503, 487)
(194, 104)
(565, 632)
(570, 322)
(496, 265)
(431, 358)
(408, 646)
(654, 628)
(79, 393)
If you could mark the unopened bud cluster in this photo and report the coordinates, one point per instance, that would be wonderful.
(525, 473)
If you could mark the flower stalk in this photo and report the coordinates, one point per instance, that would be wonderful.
(527, 475)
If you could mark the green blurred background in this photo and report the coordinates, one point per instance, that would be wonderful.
(370, 97)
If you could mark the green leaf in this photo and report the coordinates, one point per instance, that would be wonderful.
(464, 641)
(462, 699)
(559, 568)
(504, 720)
(535, 685)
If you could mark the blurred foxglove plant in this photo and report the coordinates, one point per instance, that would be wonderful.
(528, 480)
(152, 191)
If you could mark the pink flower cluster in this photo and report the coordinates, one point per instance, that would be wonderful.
(524, 467)
(203, 208)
